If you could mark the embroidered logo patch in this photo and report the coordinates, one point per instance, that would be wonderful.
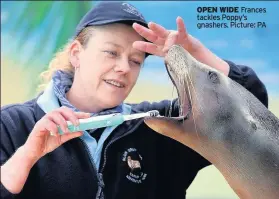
(131, 9)
(134, 161)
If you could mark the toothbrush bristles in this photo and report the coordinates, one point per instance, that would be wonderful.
(154, 113)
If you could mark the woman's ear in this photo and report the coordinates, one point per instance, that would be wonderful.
(74, 54)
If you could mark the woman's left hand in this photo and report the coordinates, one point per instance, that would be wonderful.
(162, 39)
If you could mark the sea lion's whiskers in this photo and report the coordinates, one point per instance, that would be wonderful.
(170, 110)
(168, 113)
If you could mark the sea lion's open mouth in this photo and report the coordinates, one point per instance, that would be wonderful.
(183, 95)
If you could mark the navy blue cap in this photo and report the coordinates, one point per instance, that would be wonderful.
(111, 12)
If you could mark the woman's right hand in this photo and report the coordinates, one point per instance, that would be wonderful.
(15, 170)
(45, 138)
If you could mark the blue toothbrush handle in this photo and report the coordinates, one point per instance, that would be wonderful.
(95, 122)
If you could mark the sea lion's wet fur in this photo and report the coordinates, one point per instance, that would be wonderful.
(227, 125)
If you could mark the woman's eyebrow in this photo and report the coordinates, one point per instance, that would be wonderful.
(138, 53)
(114, 44)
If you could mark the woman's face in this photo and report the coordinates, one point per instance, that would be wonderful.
(109, 66)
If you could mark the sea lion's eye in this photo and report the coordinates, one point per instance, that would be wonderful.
(213, 77)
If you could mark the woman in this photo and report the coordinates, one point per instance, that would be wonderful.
(93, 75)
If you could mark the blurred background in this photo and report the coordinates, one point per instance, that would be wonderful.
(31, 32)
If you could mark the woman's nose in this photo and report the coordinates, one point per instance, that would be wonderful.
(122, 66)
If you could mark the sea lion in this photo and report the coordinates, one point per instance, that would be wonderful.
(224, 123)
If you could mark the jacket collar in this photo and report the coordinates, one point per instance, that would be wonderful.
(47, 101)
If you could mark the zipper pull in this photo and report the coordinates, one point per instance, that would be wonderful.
(101, 181)
(101, 185)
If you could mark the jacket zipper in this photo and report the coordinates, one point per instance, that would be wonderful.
(112, 141)
(101, 184)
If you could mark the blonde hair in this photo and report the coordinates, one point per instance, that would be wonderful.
(61, 60)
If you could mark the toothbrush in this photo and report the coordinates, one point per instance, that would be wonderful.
(106, 120)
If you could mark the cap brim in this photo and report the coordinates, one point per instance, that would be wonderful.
(125, 21)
